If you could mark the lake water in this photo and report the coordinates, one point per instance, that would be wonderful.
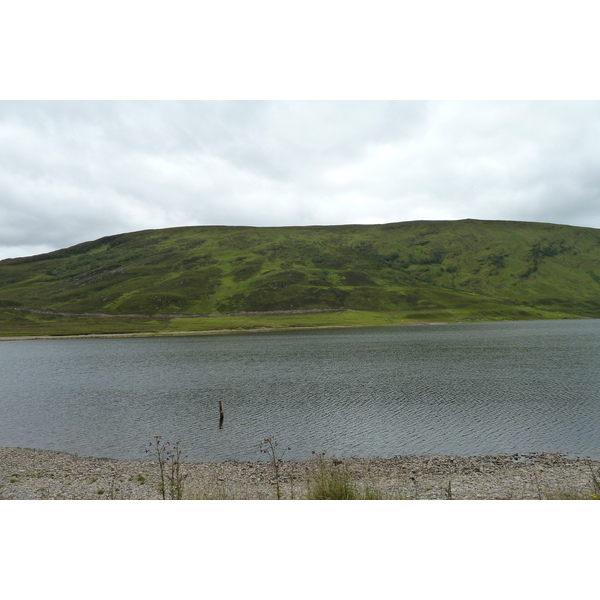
(465, 389)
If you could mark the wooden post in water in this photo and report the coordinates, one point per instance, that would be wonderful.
(221, 415)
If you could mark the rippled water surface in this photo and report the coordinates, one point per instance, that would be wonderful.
(467, 389)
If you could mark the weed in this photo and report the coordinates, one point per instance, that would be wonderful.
(333, 483)
(292, 478)
(448, 490)
(176, 478)
(563, 495)
(218, 491)
(169, 463)
(330, 483)
(371, 493)
(269, 446)
(141, 479)
(416, 484)
(595, 491)
(537, 483)
(159, 450)
(113, 488)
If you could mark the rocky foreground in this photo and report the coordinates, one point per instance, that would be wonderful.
(27, 474)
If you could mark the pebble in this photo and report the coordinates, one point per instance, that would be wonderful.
(29, 474)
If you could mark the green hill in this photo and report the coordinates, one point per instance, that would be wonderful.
(423, 270)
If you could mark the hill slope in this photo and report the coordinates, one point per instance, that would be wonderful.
(420, 270)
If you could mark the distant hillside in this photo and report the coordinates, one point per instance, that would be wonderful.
(425, 269)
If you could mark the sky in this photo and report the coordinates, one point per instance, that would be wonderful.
(74, 171)
(123, 116)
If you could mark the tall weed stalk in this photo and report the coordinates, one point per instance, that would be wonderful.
(169, 464)
(595, 492)
(269, 447)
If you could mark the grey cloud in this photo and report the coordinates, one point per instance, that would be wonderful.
(74, 171)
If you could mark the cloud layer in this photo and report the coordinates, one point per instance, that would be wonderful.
(76, 171)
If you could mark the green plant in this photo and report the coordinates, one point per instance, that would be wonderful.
(564, 495)
(371, 493)
(159, 451)
(169, 464)
(292, 478)
(176, 477)
(269, 446)
(213, 491)
(331, 481)
(416, 484)
(537, 483)
(113, 487)
(448, 490)
(595, 491)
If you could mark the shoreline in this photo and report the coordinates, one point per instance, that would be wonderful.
(30, 474)
(207, 331)
(231, 331)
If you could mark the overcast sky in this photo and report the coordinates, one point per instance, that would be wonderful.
(76, 171)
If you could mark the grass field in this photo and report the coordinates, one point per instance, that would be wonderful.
(45, 325)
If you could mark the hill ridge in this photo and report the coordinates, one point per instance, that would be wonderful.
(419, 270)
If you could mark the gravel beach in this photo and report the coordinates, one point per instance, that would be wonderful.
(28, 474)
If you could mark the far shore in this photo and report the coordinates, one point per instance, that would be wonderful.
(206, 332)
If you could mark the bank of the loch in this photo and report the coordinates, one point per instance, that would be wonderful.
(28, 474)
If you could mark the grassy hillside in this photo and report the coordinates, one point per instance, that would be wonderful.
(425, 270)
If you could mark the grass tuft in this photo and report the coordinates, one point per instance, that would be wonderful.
(332, 481)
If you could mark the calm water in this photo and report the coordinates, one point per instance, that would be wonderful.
(450, 389)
